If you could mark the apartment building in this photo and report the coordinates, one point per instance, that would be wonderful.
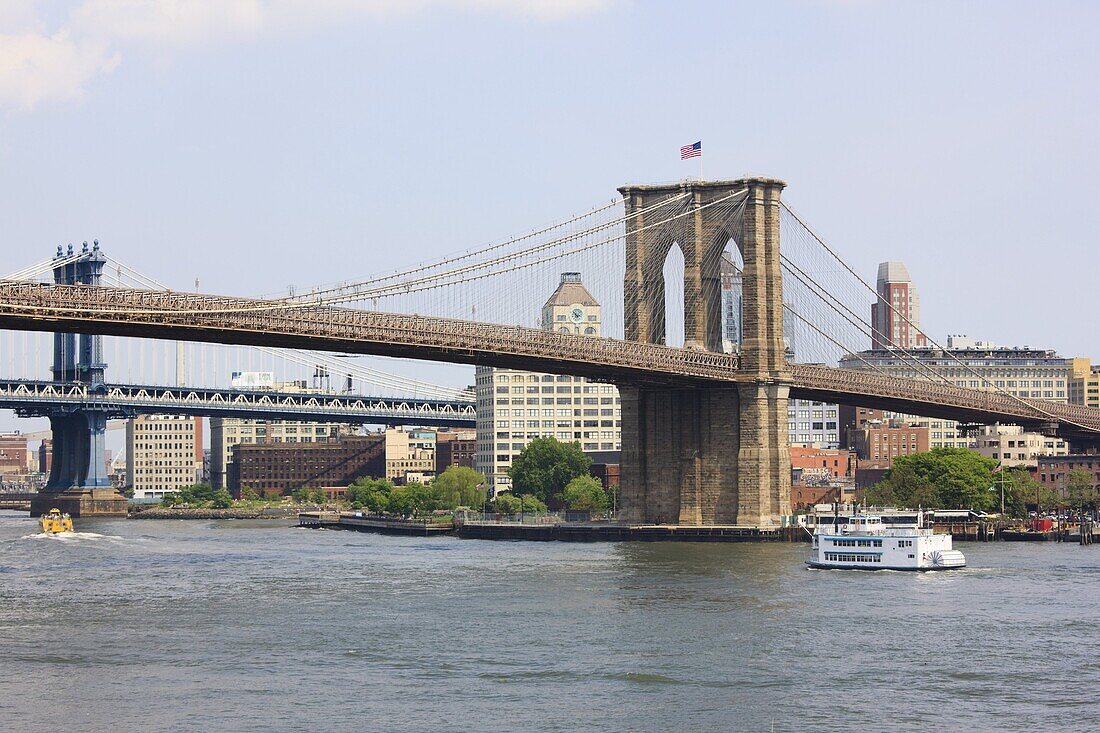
(163, 454)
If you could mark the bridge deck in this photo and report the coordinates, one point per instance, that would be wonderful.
(197, 317)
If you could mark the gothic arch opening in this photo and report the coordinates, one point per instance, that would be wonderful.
(673, 275)
(731, 267)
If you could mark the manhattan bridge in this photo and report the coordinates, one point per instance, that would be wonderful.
(704, 432)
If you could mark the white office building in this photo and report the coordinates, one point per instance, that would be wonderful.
(163, 454)
(516, 406)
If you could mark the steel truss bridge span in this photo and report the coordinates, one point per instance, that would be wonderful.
(219, 319)
(35, 398)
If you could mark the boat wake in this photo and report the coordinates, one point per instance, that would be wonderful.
(72, 537)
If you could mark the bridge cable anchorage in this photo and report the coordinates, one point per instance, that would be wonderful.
(992, 387)
(473, 253)
(400, 287)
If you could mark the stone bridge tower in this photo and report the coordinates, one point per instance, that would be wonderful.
(707, 455)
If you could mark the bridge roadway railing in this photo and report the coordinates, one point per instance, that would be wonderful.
(127, 400)
(856, 382)
(281, 322)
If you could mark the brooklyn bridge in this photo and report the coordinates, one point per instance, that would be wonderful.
(704, 427)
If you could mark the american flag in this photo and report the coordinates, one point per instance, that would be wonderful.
(691, 151)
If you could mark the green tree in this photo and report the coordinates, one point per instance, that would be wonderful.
(531, 504)
(1080, 489)
(196, 495)
(506, 502)
(221, 499)
(546, 466)
(585, 492)
(413, 500)
(368, 493)
(947, 478)
(460, 486)
(249, 494)
(1020, 489)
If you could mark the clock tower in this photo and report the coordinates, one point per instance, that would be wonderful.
(572, 309)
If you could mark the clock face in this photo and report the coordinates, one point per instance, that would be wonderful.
(577, 315)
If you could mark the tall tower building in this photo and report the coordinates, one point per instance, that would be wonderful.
(898, 306)
(732, 312)
(515, 406)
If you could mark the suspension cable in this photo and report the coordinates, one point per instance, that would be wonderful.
(896, 312)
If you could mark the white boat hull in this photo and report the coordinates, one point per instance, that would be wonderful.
(864, 542)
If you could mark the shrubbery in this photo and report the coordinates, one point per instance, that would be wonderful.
(457, 486)
(203, 496)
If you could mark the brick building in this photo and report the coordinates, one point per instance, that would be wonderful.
(45, 456)
(880, 444)
(455, 449)
(896, 314)
(606, 473)
(1052, 470)
(13, 454)
(822, 462)
(280, 468)
(805, 497)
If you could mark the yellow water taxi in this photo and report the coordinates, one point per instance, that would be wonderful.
(55, 522)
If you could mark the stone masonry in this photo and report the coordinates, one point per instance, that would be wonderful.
(707, 455)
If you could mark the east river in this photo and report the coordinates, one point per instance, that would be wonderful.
(259, 626)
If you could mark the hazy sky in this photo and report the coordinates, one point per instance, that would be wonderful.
(262, 143)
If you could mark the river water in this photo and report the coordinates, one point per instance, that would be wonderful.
(259, 626)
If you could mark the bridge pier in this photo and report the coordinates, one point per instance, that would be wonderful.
(707, 455)
(78, 482)
(680, 455)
